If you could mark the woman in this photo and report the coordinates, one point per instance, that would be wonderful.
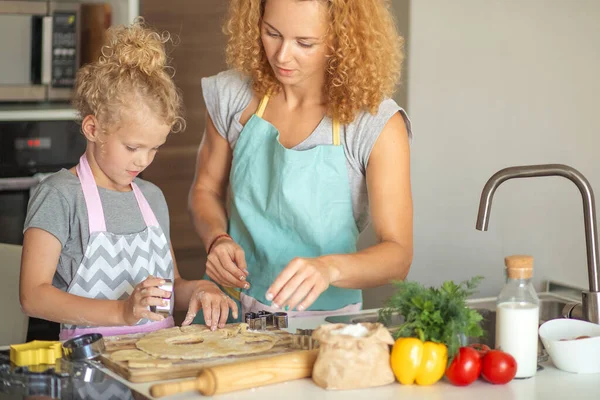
(297, 131)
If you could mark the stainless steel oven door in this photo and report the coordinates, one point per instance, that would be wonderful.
(14, 196)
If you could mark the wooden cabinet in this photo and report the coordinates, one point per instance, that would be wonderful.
(199, 51)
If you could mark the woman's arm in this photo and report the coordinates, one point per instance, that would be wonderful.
(390, 198)
(226, 264)
(41, 251)
(208, 192)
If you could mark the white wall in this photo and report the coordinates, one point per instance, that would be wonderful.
(494, 84)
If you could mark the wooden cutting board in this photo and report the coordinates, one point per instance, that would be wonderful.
(178, 368)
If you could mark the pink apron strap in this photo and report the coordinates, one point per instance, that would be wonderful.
(94, 205)
(91, 196)
(147, 212)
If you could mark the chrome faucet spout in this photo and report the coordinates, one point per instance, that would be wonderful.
(591, 299)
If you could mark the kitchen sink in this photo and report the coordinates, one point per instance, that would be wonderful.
(551, 307)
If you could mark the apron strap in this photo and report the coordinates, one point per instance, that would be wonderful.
(336, 124)
(336, 132)
(95, 212)
(93, 204)
(147, 213)
(262, 106)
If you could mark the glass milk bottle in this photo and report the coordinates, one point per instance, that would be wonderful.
(517, 315)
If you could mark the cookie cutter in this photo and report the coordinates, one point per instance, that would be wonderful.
(166, 309)
(268, 315)
(249, 317)
(303, 340)
(84, 347)
(280, 320)
(256, 321)
(263, 320)
(35, 353)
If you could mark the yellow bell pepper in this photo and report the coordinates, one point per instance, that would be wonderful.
(416, 361)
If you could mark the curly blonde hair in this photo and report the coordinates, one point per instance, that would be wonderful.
(132, 70)
(365, 53)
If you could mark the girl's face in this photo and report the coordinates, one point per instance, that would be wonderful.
(293, 34)
(127, 150)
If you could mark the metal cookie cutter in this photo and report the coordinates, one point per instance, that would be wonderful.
(268, 315)
(280, 320)
(84, 347)
(303, 340)
(256, 321)
(166, 309)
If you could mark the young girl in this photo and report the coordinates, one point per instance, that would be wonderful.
(96, 246)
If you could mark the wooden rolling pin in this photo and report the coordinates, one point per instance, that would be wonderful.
(244, 375)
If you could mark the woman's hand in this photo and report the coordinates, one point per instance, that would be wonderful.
(145, 294)
(226, 264)
(300, 283)
(215, 304)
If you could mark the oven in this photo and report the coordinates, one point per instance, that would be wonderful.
(32, 146)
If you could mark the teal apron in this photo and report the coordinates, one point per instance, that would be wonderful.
(286, 204)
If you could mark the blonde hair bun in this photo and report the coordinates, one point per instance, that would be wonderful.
(135, 47)
(133, 68)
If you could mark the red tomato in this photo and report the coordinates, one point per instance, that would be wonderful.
(482, 349)
(498, 367)
(465, 367)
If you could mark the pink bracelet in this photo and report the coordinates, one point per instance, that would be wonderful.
(222, 235)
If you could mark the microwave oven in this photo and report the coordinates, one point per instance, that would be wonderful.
(39, 50)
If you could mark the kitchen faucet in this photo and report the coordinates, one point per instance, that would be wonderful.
(590, 305)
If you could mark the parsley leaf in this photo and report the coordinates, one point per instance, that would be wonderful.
(435, 314)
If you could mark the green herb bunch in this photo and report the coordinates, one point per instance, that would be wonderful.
(432, 314)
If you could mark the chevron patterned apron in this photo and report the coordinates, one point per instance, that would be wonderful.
(113, 264)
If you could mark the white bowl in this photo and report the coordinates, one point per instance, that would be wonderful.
(579, 356)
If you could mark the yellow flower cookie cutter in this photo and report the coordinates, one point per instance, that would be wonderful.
(35, 352)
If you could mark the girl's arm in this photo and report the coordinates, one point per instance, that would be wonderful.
(41, 251)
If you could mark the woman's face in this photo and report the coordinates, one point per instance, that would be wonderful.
(293, 34)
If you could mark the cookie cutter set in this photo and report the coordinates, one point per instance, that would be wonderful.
(263, 320)
(39, 352)
(52, 369)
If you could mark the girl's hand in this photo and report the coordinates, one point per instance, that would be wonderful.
(226, 264)
(300, 283)
(215, 304)
(145, 294)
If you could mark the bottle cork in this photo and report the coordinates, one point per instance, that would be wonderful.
(519, 266)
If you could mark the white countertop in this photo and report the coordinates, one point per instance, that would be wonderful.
(549, 383)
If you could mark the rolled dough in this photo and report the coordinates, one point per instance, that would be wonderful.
(198, 342)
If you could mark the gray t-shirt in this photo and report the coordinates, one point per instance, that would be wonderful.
(228, 94)
(58, 207)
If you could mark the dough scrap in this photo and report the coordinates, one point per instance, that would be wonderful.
(150, 363)
(126, 355)
(196, 342)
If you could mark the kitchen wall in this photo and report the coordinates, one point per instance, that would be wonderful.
(199, 52)
(495, 84)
